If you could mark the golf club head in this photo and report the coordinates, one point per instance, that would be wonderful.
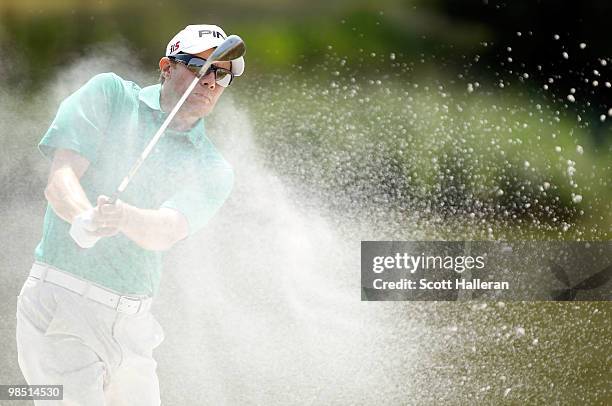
(232, 48)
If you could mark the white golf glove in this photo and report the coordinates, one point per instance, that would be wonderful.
(81, 229)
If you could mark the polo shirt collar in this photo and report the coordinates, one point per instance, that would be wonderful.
(150, 96)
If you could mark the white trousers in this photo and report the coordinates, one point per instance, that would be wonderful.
(100, 356)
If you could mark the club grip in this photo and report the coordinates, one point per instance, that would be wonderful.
(114, 197)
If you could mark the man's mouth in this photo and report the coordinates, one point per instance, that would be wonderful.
(203, 98)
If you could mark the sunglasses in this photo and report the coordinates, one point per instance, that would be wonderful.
(223, 77)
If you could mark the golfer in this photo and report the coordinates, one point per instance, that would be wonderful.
(83, 314)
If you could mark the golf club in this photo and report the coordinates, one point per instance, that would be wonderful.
(232, 48)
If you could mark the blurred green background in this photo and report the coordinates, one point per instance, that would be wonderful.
(496, 147)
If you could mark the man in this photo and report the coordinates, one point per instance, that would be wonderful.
(83, 317)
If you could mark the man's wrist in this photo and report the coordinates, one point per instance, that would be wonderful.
(81, 230)
(127, 217)
(79, 211)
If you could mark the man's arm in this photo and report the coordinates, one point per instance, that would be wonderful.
(64, 192)
(155, 230)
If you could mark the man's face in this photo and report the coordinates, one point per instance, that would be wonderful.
(204, 96)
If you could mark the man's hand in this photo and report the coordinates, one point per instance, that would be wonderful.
(108, 218)
(151, 229)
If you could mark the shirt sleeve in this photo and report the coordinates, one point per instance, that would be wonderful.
(203, 196)
(82, 118)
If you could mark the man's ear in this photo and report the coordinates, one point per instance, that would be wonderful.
(164, 66)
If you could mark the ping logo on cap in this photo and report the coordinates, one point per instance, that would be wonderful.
(215, 34)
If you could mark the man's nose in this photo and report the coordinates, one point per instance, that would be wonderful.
(208, 80)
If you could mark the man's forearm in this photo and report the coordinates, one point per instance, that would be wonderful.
(155, 230)
(65, 194)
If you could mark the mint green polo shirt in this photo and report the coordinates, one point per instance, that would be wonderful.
(109, 121)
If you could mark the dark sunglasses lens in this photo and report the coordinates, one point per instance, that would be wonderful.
(224, 77)
(221, 74)
(196, 62)
(194, 69)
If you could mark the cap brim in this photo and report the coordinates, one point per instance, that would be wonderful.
(238, 66)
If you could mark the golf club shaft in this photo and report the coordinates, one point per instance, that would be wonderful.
(232, 48)
(126, 181)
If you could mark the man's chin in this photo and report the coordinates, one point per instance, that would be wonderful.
(206, 111)
(200, 110)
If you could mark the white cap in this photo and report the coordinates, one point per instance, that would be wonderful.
(194, 39)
